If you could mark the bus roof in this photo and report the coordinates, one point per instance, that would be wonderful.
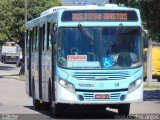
(86, 7)
(53, 12)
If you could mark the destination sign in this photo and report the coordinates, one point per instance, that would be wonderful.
(99, 15)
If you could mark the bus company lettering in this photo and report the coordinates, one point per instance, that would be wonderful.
(77, 58)
(99, 16)
(115, 16)
(87, 85)
(86, 16)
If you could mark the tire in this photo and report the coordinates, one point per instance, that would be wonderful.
(47, 105)
(2, 58)
(36, 103)
(59, 110)
(21, 71)
(123, 109)
(56, 110)
(145, 78)
(4, 61)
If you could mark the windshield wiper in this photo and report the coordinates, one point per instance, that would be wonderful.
(112, 41)
(116, 35)
(86, 34)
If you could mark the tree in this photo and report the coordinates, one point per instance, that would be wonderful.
(12, 25)
(150, 16)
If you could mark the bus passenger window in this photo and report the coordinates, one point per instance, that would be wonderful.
(37, 39)
(48, 36)
(32, 39)
(43, 37)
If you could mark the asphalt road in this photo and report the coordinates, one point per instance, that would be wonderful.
(16, 105)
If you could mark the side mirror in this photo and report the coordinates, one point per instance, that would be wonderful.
(145, 40)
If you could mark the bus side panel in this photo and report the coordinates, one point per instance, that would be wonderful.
(28, 63)
(44, 60)
(53, 72)
(46, 63)
(40, 63)
(45, 75)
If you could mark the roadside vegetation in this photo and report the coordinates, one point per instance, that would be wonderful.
(22, 77)
(12, 14)
(12, 17)
(148, 87)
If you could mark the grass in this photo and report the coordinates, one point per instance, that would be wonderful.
(151, 87)
(22, 77)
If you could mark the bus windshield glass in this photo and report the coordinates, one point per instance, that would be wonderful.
(111, 48)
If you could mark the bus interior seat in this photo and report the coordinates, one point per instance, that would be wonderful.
(124, 59)
(134, 57)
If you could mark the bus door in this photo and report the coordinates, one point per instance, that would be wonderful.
(41, 39)
(53, 57)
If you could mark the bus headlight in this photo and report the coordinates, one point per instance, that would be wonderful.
(134, 85)
(67, 85)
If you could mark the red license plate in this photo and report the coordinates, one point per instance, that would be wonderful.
(102, 96)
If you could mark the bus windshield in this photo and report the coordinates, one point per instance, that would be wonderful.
(111, 48)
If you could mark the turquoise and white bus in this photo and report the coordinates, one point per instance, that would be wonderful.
(85, 55)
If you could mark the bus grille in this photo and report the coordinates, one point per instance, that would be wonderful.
(102, 75)
(91, 97)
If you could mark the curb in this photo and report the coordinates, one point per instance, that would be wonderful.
(151, 89)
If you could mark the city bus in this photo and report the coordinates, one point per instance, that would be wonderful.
(85, 56)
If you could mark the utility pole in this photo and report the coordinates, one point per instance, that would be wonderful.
(149, 64)
(25, 6)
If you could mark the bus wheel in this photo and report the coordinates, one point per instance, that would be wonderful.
(47, 105)
(4, 61)
(36, 103)
(57, 110)
(123, 109)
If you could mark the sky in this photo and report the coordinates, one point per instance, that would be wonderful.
(84, 1)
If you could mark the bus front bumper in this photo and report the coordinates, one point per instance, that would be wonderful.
(66, 97)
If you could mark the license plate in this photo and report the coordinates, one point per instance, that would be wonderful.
(102, 96)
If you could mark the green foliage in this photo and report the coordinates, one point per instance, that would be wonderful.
(35, 7)
(12, 12)
(150, 16)
(22, 78)
(151, 87)
(12, 25)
